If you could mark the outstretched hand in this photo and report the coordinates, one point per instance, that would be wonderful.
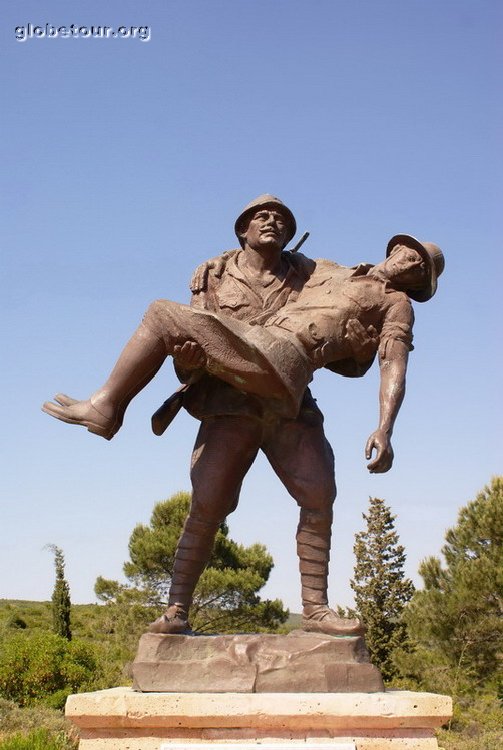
(189, 356)
(380, 442)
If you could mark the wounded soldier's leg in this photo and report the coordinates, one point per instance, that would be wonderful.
(165, 326)
(137, 364)
(232, 353)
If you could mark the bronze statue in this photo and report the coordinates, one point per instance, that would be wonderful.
(261, 321)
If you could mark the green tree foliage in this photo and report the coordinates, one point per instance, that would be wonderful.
(457, 619)
(381, 589)
(61, 604)
(44, 667)
(226, 597)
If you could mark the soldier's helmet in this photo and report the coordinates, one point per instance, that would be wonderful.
(433, 257)
(265, 201)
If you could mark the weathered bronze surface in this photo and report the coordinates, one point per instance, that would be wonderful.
(261, 321)
(295, 663)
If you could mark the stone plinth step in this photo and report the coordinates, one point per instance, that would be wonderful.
(122, 719)
(264, 663)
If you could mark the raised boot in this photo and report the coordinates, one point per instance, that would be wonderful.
(103, 412)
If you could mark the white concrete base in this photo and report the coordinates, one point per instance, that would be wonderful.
(121, 719)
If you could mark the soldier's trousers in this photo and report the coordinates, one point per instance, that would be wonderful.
(301, 456)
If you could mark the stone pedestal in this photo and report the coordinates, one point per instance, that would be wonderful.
(122, 719)
(263, 663)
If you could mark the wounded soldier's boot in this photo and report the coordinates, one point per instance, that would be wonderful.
(103, 413)
(319, 618)
(173, 622)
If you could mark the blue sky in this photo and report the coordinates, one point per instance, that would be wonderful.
(125, 164)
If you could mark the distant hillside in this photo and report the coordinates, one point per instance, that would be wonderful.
(293, 621)
(17, 613)
(88, 620)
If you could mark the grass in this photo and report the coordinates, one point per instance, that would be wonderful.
(39, 739)
(451, 740)
(13, 718)
(34, 728)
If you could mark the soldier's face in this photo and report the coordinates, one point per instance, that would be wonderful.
(406, 267)
(267, 228)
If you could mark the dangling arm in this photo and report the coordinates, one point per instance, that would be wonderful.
(394, 347)
(393, 368)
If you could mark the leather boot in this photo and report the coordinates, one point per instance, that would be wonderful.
(103, 413)
(191, 557)
(313, 549)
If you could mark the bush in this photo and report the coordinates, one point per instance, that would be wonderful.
(453, 741)
(44, 667)
(39, 739)
(28, 727)
(14, 719)
(476, 724)
(16, 622)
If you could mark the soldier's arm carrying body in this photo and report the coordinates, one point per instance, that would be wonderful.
(190, 357)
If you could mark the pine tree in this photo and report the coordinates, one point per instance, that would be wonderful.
(61, 604)
(381, 589)
(456, 621)
(226, 598)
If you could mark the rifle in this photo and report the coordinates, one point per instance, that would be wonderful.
(299, 244)
(166, 413)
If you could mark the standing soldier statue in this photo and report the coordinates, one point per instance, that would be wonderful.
(261, 321)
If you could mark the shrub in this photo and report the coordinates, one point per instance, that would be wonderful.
(477, 724)
(14, 719)
(490, 740)
(16, 622)
(44, 667)
(39, 739)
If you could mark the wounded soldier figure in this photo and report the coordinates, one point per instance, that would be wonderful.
(325, 315)
(341, 314)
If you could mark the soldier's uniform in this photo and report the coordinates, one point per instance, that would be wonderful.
(235, 425)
